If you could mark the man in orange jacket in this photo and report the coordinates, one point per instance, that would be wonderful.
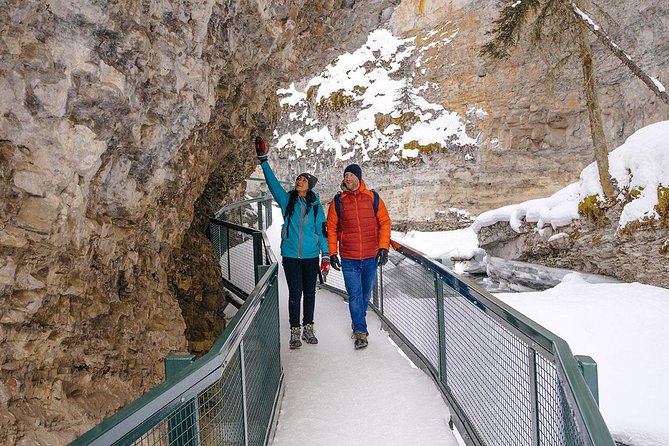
(360, 234)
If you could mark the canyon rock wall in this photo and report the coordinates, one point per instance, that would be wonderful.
(123, 126)
(530, 124)
(532, 131)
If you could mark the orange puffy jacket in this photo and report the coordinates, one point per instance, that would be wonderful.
(357, 233)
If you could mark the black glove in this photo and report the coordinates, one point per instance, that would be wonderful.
(382, 256)
(261, 149)
(334, 262)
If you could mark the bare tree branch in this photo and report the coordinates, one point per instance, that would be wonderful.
(620, 54)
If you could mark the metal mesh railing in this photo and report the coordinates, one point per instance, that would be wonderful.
(410, 303)
(238, 249)
(507, 380)
(222, 408)
(230, 395)
(487, 371)
(253, 213)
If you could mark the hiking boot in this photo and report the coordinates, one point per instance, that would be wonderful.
(354, 333)
(295, 337)
(360, 340)
(308, 334)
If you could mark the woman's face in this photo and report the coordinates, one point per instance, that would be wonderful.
(301, 185)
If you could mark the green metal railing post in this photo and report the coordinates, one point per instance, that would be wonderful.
(268, 209)
(260, 216)
(257, 254)
(183, 424)
(588, 368)
(534, 395)
(441, 326)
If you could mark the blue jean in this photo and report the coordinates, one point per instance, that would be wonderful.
(359, 279)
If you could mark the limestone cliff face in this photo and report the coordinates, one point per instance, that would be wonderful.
(123, 125)
(534, 137)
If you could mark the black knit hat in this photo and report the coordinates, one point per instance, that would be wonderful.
(311, 180)
(355, 170)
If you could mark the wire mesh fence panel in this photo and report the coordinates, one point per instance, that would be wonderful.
(335, 279)
(157, 436)
(179, 428)
(263, 367)
(246, 215)
(409, 302)
(221, 408)
(236, 259)
(252, 213)
(487, 371)
(557, 425)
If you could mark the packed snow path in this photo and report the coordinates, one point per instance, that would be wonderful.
(335, 395)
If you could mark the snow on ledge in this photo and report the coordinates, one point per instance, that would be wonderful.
(641, 164)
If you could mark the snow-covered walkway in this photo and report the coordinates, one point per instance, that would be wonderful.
(335, 395)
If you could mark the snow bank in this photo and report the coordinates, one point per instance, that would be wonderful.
(641, 164)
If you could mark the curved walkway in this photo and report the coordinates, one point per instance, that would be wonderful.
(337, 396)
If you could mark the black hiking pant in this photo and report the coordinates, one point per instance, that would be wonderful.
(301, 277)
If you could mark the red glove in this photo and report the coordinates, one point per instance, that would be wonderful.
(325, 266)
(261, 149)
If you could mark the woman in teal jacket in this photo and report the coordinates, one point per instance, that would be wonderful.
(302, 240)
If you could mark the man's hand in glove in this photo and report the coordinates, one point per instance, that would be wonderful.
(334, 261)
(261, 149)
(382, 256)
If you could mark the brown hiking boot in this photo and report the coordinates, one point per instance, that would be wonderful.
(308, 334)
(295, 338)
(360, 340)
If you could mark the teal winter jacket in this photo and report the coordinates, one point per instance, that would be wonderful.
(301, 238)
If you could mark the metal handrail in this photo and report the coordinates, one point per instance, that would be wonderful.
(537, 335)
(539, 339)
(162, 399)
(239, 204)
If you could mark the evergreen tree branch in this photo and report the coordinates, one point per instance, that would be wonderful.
(508, 27)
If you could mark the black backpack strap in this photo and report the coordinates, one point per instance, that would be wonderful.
(376, 201)
(337, 203)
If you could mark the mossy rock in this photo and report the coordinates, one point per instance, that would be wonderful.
(337, 100)
(405, 121)
(590, 208)
(434, 147)
(662, 207)
(312, 91)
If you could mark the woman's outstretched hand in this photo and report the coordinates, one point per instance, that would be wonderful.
(261, 149)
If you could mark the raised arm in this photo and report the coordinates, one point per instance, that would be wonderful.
(278, 192)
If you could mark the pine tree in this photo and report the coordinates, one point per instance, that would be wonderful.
(560, 31)
(406, 97)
